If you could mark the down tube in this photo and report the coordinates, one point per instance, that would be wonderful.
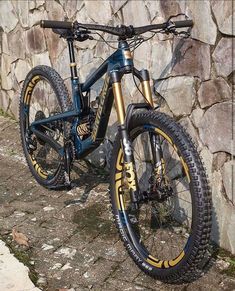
(100, 124)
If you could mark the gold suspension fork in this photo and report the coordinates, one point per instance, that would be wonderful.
(129, 164)
(159, 163)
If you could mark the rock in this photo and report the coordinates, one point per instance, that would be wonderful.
(155, 11)
(6, 81)
(82, 16)
(191, 58)
(55, 45)
(14, 274)
(5, 101)
(161, 59)
(22, 10)
(5, 47)
(187, 124)
(117, 5)
(99, 12)
(62, 64)
(215, 129)
(204, 28)
(41, 59)
(17, 36)
(179, 93)
(35, 41)
(219, 159)
(21, 70)
(39, 3)
(223, 12)
(142, 56)
(207, 159)
(214, 91)
(71, 7)
(139, 15)
(196, 116)
(169, 8)
(55, 10)
(222, 265)
(221, 55)
(228, 175)
(37, 15)
(8, 19)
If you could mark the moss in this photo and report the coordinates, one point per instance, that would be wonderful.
(6, 114)
(228, 257)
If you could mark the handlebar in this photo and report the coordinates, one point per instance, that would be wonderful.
(122, 31)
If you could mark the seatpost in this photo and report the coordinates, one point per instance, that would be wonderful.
(77, 98)
(73, 66)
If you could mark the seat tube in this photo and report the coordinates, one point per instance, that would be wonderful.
(129, 164)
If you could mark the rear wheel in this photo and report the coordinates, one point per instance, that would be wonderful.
(43, 95)
(168, 234)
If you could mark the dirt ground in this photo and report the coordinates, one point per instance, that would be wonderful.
(73, 246)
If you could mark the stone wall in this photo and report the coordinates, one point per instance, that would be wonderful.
(192, 77)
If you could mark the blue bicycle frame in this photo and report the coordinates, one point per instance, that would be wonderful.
(115, 66)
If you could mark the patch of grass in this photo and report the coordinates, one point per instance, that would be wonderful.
(228, 257)
(6, 114)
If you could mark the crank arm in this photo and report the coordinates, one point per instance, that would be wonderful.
(55, 145)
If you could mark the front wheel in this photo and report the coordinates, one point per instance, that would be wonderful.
(168, 234)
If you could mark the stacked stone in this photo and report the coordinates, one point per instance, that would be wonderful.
(192, 77)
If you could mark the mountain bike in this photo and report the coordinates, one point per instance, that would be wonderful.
(159, 192)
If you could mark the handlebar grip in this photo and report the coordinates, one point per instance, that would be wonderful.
(56, 24)
(183, 23)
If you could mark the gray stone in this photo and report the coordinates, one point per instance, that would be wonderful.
(22, 11)
(215, 128)
(223, 232)
(55, 10)
(5, 47)
(207, 159)
(5, 100)
(117, 5)
(21, 70)
(82, 16)
(155, 11)
(187, 124)
(35, 41)
(39, 3)
(222, 57)
(161, 59)
(223, 13)
(169, 8)
(218, 160)
(6, 81)
(204, 28)
(62, 64)
(191, 58)
(214, 91)
(228, 175)
(139, 15)
(196, 116)
(14, 274)
(55, 45)
(41, 59)
(17, 36)
(99, 12)
(142, 56)
(179, 93)
(8, 19)
(71, 7)
(36, 15)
